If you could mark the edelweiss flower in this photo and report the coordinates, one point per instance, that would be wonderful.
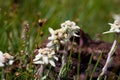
(72, 27)
(45, 56)
(115, 27)
(59, 36)
(62, 35)
(4, 58)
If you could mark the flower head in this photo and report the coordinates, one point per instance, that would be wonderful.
(115, 27)
(4, 58)
(45, 56)
(62, 35)
(59, 36)
(71, 26)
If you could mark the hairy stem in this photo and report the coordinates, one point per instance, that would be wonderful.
(3, 73)
(40, 72)
(64, 58)
(109, 58)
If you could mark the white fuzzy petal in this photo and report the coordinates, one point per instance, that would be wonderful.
(74, 34)
(51, 31)
(1, 64)
(1, 53)
(55, 57)
(50, 44)
(110, 24)
(11, 62)
(108, 32)
(52, 63)
(38, 62)
(77, 27)
(45, 59)
(51, 37)
(37, 57)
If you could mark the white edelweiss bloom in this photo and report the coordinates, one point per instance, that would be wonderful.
(62, 35)
(44, 56)
(57, 36)
(68, 23)
(4, 58)
(115, 27)
(72, 27)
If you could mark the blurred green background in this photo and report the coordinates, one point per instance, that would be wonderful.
(92, 16)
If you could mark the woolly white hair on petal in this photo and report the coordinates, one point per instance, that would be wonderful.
(1, 64)
(45, 59)
(50, 44)
(37, 57)
(51, 30)
(56, 58)
(52, 63)
(38, 62)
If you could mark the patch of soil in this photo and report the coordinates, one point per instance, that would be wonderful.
(84, 46)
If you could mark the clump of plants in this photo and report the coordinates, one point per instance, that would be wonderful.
(54, 61)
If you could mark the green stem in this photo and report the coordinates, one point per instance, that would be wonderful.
(88, 69)
(64, 63)
(3, 73)
(95, 66)
(64, 57)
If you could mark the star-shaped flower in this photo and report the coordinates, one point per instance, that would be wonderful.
(4, 58)
(72, 27)
(45, 56)
(59, 36)
(115, 27)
